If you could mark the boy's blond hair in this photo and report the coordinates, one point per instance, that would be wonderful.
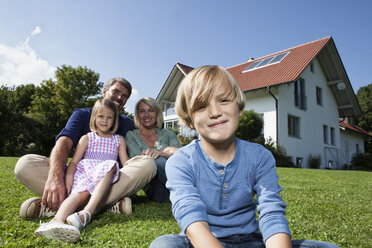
(99, 104)
(197, 87)
(152, 104)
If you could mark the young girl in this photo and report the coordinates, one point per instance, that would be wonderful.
(92, 176)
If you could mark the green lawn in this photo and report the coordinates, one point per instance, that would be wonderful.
(334, 206)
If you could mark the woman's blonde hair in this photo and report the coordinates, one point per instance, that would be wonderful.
(197, 87)
(97, 106)
(152, 104)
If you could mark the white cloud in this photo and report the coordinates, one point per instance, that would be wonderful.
(22, 65)
(37, 30)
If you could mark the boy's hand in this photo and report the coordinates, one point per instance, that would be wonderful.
(201, 237)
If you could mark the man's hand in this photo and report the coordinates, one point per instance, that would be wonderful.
(54, 192)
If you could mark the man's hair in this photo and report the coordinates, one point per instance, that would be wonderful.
(152, 104)
(120, 80)
(197, 87)
(97, 106)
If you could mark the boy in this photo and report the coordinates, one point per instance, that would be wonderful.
(213, 181)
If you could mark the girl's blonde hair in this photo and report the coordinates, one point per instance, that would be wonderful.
(97, 106)
(152, 104)
(197, 87)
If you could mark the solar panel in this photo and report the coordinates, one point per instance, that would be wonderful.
(268, 61)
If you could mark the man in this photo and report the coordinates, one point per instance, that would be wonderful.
(45, 176)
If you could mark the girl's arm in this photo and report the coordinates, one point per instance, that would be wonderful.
(200, 235)
(123, 155)
(280, 240)
(78, 155)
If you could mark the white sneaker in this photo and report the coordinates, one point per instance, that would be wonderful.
(75, 220)
(123, 206)
(59, 231)
(34, 208)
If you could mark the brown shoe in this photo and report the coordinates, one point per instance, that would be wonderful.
(33, 208)
(123, 206)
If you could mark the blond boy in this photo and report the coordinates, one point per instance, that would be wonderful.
(213, 181)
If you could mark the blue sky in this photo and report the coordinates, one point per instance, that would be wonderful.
(141, 40)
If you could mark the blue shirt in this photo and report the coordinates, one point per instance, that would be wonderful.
(223, 196)
(78, 125)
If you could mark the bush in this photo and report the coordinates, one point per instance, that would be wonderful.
(361, 161)
(184, 140)
(250, 126)
(279, 153)
(314, 161)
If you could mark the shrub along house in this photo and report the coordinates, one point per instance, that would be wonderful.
(304, 96)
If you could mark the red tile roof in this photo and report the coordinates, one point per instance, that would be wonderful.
(286, 71)
(354, 128)
(184, 68)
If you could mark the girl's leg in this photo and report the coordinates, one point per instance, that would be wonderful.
(100, 191)
(70, 205)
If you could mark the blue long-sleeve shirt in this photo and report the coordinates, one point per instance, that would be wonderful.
(223, 196)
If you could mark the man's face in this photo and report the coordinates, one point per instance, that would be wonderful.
(118, 94)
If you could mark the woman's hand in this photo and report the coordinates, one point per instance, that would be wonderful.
(152, 153)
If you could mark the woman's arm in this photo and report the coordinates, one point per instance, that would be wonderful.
(123, 155)
(133, 147)
(78, 155)
(200, 235)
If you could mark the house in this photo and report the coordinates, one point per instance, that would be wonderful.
(305, 97)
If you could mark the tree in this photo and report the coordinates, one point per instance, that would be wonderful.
(364, 96)
(55, 100)
(250, 126)
(364, 121)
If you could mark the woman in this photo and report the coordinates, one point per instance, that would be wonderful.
(150, 139)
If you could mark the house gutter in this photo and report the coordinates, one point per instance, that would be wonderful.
(276, 116)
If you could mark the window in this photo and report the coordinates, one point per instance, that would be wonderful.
(357, 148)
(330, 163)
(325, 134)
(293, 126)
(299, 94)
(312, 67)
(170, 110)
(267, 61)
(298, 162)
(172, 125)
(319, 96)
(333, 142)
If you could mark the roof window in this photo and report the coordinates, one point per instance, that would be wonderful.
(266, 62)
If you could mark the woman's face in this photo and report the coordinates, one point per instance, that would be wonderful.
(147, 115)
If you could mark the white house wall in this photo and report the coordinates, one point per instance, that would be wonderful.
(349, 142)
(262, 103)
(312, 119)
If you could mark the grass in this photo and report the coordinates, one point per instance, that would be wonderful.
(333, 206)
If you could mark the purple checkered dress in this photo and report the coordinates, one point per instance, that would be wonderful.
(99, 158)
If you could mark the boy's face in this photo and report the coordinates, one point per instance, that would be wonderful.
(217, 121)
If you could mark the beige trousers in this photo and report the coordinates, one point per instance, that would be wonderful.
(32, 171)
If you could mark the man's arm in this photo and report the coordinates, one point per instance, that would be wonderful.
(54, 190)
(200, 235)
